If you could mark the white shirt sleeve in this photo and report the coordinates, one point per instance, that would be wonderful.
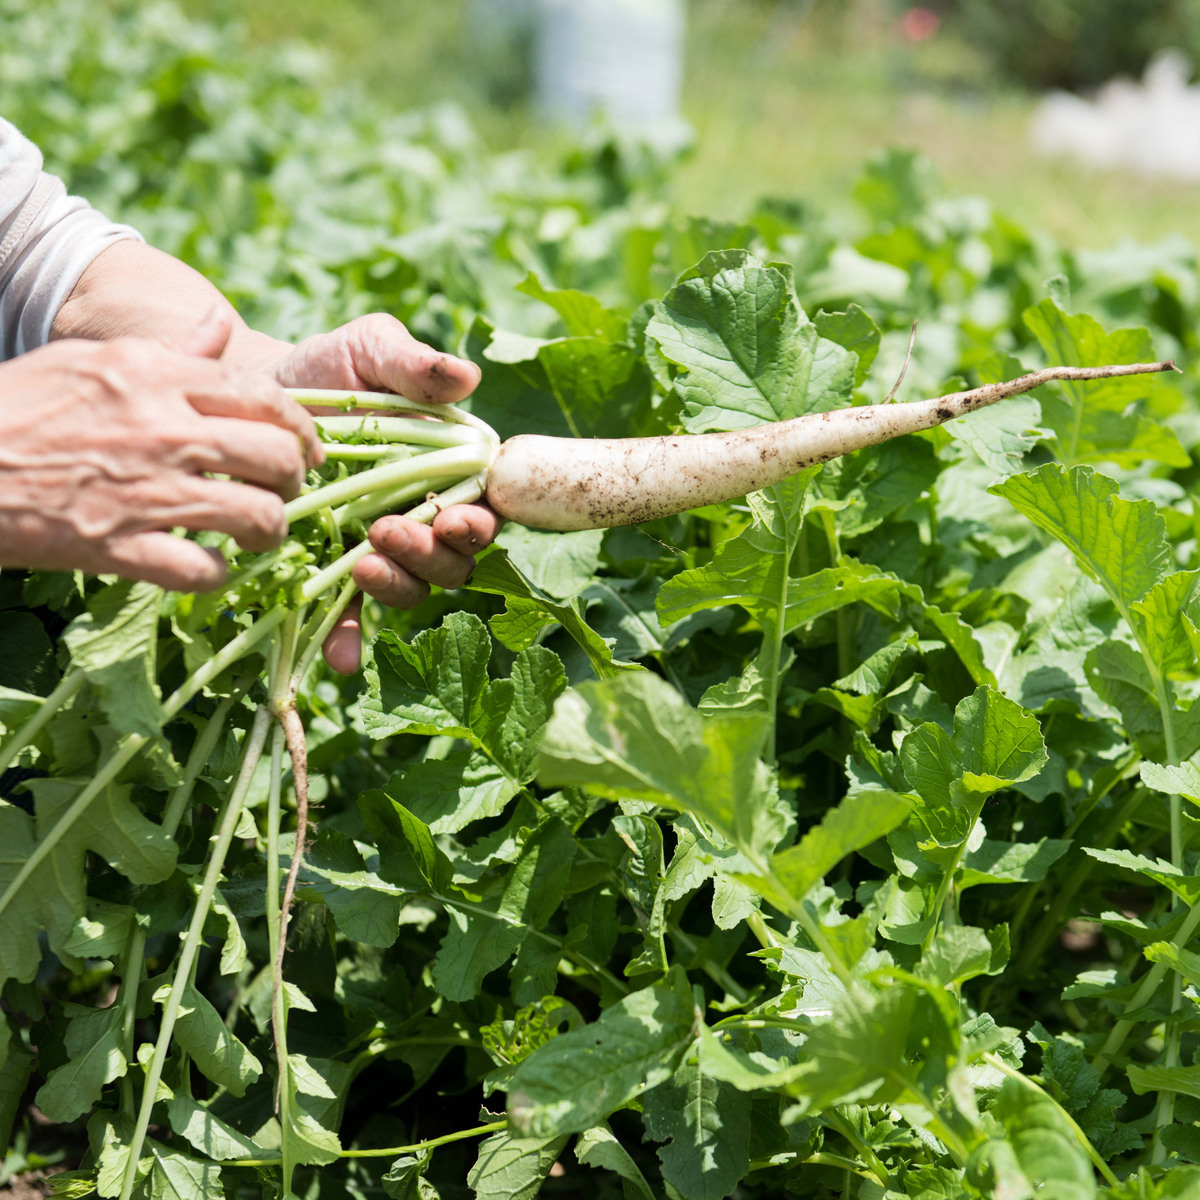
(47, 240)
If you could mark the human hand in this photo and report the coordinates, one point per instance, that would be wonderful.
(377, 353)
(105, 447)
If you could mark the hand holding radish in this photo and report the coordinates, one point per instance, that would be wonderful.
(132, 289)
(107, 446)
(377, 353)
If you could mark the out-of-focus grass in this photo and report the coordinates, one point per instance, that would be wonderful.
(787, 99)
(796, 108)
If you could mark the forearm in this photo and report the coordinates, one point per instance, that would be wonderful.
(134, 290)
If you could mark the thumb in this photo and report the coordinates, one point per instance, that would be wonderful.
(208, 337)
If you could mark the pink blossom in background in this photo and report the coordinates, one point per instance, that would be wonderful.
(917, 24)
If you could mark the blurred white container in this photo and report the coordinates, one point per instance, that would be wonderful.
(1152, 127)
(621, 59)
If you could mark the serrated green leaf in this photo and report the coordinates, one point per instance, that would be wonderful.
(95, 1058)
(408, 856)
(597, 1147)
(447, 794)
(1046, 1151)
(577, 1079)
(404, 1180)
(207, 1133)
(996, 861)
(994, 745)
(857, 1055)
(1159, 622)
(854, 330)
(529, 610)
(1098, 421)
(641, 879)
(175, 1176)
(309, 1140)
(365, 907)
(1072, 1080)
(748, 352)
(481, 938)
(578, 386)
(114, 643)
(583, 315)
(54, 897)
(1182, 779)
(233, 950)
(1002, 435)
(959, 953)
(103, 932)
(1120, 543)
(706, 1125)
(509, 1167)
(16, 1066)
(1182, 1080)
(635, 736)
(559, 564)
(435, 684)
(861, 818)
(1186, 887)
(217, 1052)
(996, 742)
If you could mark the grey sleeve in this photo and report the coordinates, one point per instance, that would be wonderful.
(47, 240)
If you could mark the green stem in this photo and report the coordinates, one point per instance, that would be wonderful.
(845, 657)
(391, 1151)
(938, 1126)
(1051, 919)
(718, 974)
(568, 952)
(1165, 1110)
(761, 1022)
(226, 826)
(202, 748)
(312, 636)
(393, 433)
(278, 997)
(1165, 1107)
(70, 683)
(131, 980)
(825, 1159)
(1000, 1065)
(795, 908)
(334, 398)
(944, 900)
(129, 746)
(375, 452)
(458, 461)
(466, 492)
(260, 566)
(1149, 985)
(763, 933)
(834, 1120)
(377, 504)
(134, 957)
(1030, 891)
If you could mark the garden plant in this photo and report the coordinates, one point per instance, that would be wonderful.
(837, 840)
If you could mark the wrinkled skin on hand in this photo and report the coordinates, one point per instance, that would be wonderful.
(106, 446)
(377, 353)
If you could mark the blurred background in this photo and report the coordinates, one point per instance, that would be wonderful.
(791, 97)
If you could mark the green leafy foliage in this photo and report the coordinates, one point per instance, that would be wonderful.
(839, 841)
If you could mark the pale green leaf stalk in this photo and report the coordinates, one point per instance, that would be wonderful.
(226, 825)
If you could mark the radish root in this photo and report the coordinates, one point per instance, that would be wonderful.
(578, 483)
